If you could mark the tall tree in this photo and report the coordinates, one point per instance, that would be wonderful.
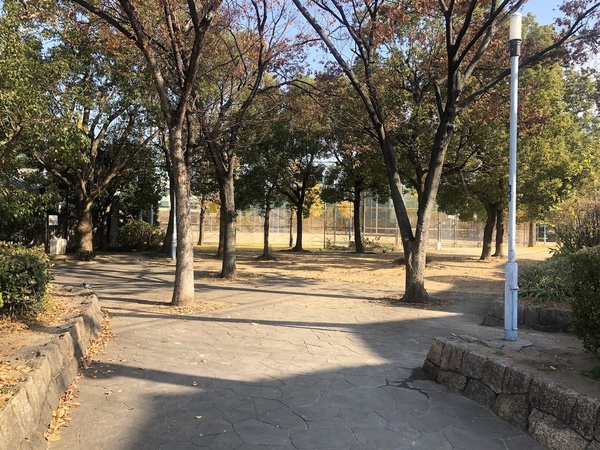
(260, 178)
(251, 53)
(24, 78)
(356, 167)
(170, 36)
(99, 102)
(442, 46)
(303, 143)
(205, 187)
(555, 150)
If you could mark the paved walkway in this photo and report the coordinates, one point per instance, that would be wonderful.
(288, 363)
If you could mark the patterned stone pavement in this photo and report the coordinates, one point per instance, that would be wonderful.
(287, 363)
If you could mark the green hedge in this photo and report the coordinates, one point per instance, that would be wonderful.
(139, 235)
(585, 288)
(24, 280)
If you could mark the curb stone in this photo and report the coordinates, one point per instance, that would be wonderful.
(55, 365)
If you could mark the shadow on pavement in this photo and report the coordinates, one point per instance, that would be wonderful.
(302, 364)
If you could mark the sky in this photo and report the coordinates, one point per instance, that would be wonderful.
(544, 10)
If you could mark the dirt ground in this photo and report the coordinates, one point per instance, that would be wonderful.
(452, 276)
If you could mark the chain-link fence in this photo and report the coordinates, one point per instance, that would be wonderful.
(332, 227)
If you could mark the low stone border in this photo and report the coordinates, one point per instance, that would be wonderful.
(28, 413)
(557, 417)
(539, 318)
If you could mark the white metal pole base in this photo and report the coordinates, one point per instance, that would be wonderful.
(511, 291)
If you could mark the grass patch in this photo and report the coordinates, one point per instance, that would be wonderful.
(593, 373)
(547, 282)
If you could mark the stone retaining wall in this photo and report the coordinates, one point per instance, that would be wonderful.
(539, 318)
(557, 417)
(27, 414)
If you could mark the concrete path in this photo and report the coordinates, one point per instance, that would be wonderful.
(288, 363)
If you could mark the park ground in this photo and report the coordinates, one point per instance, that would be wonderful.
(455, 277)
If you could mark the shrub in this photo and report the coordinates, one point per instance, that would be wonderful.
(85, 255)
(585, 287)
(139, 235)
(578, 225)
(24, 280)
(548, 281)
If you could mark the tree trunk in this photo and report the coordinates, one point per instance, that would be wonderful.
(228, 268)
(298, 246)
(167, 246)
(358, 241)
(183, 289)
(221, 247)
(266, 226)
(532, 235)
(168, 242)
(488, 232)
(499, 253)
(415, 291)
(113, 229)
(201, 219)
(85, 225)
(291, 242)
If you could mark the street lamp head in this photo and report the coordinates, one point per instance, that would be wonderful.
(515, 27)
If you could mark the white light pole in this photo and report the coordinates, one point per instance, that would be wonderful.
(511, 286)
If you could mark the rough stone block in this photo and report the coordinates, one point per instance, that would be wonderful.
(514, 408)
(23, 410)
(435, 351)
(496, 309)
(552, 399)
(431, 368)
(585, 415)
(11, 429)
(53, 394)
(455, 382)
(597, 429)
(493, 375)
(3, 440)
(554, 434)
(479, 392)
(594, 445)
(12, 424)
(490, 321)
(53, 355)
(456, 358)
(473, 364)
(43, 374)
(68, 374)
(520, 315)
(446, 355)
(66, 347)
(554, 319)
(532, 316)
(495, 314)
(516, 381)
(34, 392)
(77, 335)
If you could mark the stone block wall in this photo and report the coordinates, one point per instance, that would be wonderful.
(27, 414)
(536, 317)
(557, 417)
